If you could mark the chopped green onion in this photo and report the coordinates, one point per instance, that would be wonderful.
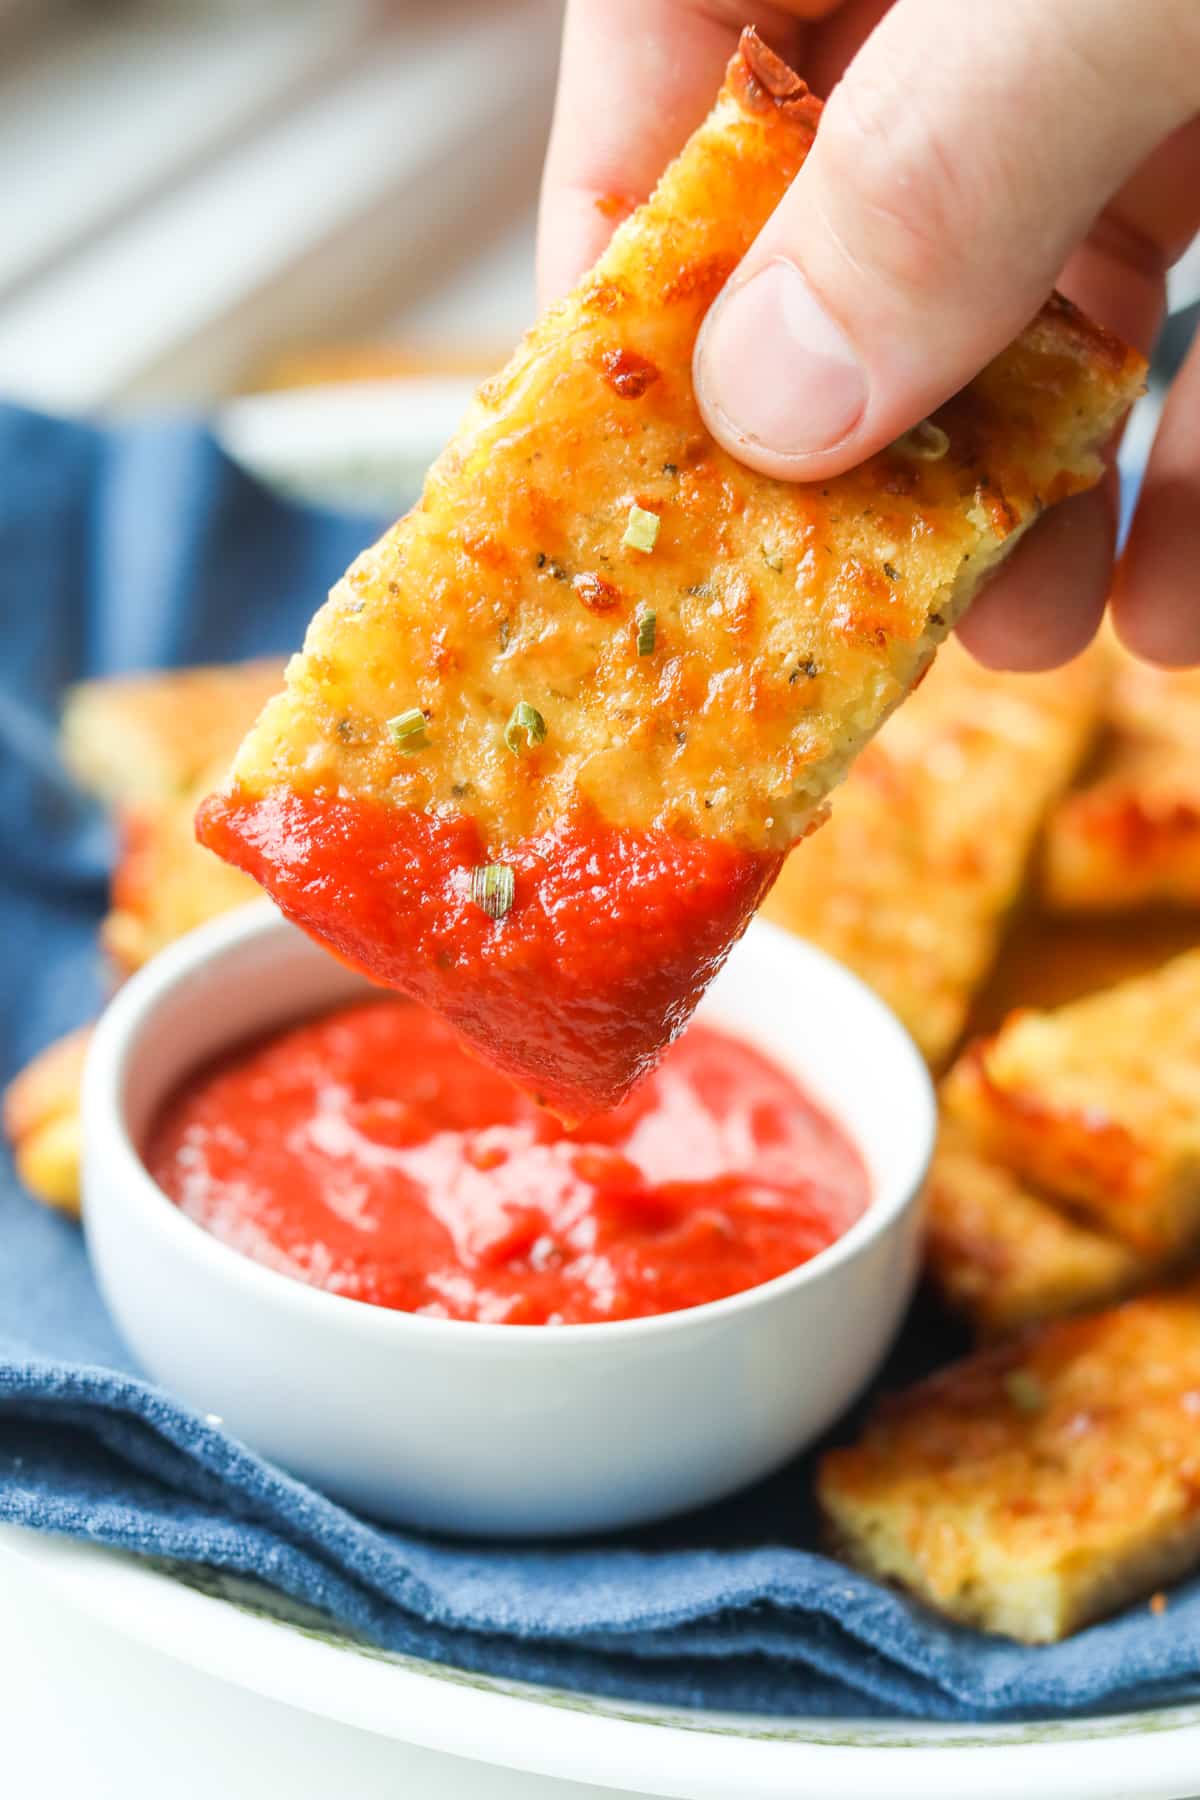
(1024, 1390)
(647, 629)
(641, 533)
(493, 887)
(926, 442)
(408, 731)
(527, 719)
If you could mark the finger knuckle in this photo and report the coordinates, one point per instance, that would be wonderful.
(897, 182)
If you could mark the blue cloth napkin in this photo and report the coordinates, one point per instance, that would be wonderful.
(125, 548)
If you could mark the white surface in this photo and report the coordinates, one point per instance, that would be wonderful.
(510, 1429)
(113, 104)
(364, 444)
(88, 1714)
(353, 192)
(643, 1751)
(489, 300)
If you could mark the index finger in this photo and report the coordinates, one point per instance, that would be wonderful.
(637, 77)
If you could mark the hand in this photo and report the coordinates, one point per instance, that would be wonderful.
(970, 157)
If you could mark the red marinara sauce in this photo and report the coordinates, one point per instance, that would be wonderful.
(612, 936)
(368, 1153)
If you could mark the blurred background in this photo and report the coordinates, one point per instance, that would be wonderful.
(270, 206)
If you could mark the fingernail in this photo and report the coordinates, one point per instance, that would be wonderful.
(774, 372)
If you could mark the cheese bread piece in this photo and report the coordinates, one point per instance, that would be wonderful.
(551, 736)
(154, 744)
(1006, 1256)
(1098, 1103)
(41, 1121)
(1152, 705)
(903, 884)
(1131, 838)
(1039, 1485)
(150, 737)
(164, 882)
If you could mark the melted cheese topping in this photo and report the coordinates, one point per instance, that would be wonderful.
(1036, 1486)
(1006, 1256)
(789, 619)
(1099, 1103)
(901, 884)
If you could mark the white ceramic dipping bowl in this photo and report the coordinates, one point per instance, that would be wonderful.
(506, 1430)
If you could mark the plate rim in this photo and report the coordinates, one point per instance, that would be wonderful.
(555, 1733)
(576, 1737)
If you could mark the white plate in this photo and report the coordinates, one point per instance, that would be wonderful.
(247, 1636)
(370, 443)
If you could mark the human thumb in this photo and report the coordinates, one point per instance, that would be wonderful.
(966, 152)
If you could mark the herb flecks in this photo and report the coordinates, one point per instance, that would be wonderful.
(494, 887)
(527, 719)
(647, 631)
(1025, 1391)
(926, 442)
(408, 731)
(808, 669)
(641, 530)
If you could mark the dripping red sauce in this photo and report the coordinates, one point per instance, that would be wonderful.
(366, 1152)
(612, 937)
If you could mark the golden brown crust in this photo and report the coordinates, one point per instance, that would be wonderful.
(332, 364)
(147, 737)
(41, 1120)
(164, 882)
(759, 77)
(1039, 1485)
(1129, 839)
(154, 745)
(1131, 836)
(1152, 705)
(901, 884)
(1005, 1256)
(1098, 1103)
(488, 593)
(141, 741)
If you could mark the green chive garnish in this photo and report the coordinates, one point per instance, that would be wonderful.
(647, 629)
(408, 731)
(641, 533)
(527, 719)
(1025, 1391)
(493, 887)
(926, 442)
